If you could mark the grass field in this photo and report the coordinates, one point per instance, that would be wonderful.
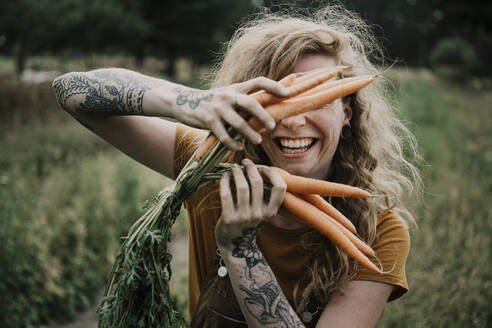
(449, 267)
(66, 198)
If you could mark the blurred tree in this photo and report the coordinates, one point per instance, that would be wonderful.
(24, 23)
(91, 26)
(470, 21)
(454, 57)
(190, 28)
(85, 26)
(410, 29)
(195, 29)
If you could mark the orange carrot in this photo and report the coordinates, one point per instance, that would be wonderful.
(303, 185)
(309, 81)
(301, 77)
(205, 146)
(266, 98)
(362, 246)
(301, 84)
(302, 104)
(329, 209)
(328, 85)
(308, 214)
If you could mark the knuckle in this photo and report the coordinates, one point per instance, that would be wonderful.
(224, 197)
(256, 181)
(245, 215)
(237, 124)
(223, 96)
(225, 139)
(209, 120)
(219, 110)
(251, 103)
(257, 215)
(280, 187)
(231, 218)
(261, 80)
(271, 212)
(243, 125)
(242, 189)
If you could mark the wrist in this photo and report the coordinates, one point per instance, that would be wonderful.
(230, 237)
(161, 101)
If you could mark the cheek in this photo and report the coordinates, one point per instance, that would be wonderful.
(332, 138)
(328, 123)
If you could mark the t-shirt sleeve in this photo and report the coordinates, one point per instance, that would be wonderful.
(392, 246)
(187, 141)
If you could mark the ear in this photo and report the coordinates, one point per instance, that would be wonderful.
(347, 110)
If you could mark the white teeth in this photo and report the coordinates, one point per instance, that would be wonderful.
(296, 143)
(295, 146)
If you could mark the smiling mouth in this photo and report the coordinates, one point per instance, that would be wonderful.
(295, 146)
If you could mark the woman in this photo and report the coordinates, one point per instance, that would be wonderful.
(279, 273)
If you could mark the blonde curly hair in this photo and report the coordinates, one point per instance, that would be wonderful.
(374, 157)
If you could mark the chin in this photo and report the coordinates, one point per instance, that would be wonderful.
(297, 169)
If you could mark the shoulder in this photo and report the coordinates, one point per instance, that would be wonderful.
(187, 134)
(392, 246)
(187, 141)
(391, 229)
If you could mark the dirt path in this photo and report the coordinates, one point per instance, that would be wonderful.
(88, 319)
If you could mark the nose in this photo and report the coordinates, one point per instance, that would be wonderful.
(294, 122)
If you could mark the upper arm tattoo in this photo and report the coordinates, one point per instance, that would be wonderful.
(263, 297)
(104, 92)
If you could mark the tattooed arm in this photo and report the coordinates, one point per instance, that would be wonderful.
(121, 106)
(262, 301)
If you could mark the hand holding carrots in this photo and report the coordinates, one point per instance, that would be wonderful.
(217, 108)
(250, 208)
(300, 200)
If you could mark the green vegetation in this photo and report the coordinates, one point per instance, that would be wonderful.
(454, 57)
(449, 266)
(67, 198)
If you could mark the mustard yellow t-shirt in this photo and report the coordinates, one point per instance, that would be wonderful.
(280, 247)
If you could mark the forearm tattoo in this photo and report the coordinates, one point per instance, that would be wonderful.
(192, 97)
(263, 299)
(104, 92)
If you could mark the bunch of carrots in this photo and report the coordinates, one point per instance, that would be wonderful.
(303, 200)
(138, 290)
(305, 204)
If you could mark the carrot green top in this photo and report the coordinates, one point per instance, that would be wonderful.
(280, 247)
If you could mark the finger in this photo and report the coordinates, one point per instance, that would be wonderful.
(238, 123)
(221, 133)
(256, 183)
(277, 194)
(263, 83)
(254, 108)
(226, 201)
(242, 191)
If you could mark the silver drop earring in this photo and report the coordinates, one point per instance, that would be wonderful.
(222, 270)
(308, 316)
